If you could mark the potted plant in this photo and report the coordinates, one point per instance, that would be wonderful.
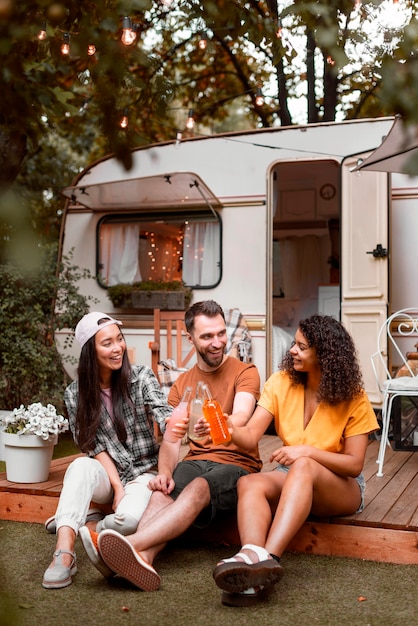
(29, 436)
(151, 294)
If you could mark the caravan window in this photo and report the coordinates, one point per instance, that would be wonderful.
(132, 249)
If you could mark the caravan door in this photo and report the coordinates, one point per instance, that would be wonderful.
(365, 272)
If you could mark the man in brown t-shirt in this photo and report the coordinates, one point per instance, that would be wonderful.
(192, 491)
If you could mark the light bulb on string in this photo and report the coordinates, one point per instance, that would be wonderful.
(190, 120)
(203, 41)
(124, 120)
(91, 49)
(128, 33)
(259, 98)
(279, 28)
(330, 60)
(65, 46)
(42, 32)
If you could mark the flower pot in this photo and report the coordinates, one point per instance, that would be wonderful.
(28, 457)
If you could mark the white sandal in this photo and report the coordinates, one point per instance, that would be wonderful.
(240, 573)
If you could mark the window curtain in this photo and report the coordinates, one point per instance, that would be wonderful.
(201, 254)
(119, 253)
(303, 265)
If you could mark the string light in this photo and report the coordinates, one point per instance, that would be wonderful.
(128, 33)
(42, 32)
(190, 120)
(279, 28)
(124, 121)
(91, 49)
(65, 46)
(259, 98)
(203, 41)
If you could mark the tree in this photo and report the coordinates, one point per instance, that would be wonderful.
(318, 49)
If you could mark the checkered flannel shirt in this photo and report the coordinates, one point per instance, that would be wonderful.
(139, 453)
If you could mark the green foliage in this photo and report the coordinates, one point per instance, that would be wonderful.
(164, 72)
(120, 294)
(33, 305)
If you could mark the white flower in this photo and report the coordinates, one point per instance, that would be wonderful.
(36, 419)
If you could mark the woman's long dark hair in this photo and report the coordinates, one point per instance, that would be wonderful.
(341, 378)
(89, 405)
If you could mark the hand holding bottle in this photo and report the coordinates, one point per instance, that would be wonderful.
(178, 422)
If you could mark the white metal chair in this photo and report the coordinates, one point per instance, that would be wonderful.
(404, 382)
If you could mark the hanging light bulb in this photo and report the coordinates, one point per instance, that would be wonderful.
(128, 33)
(203, 41)
(65, 46)
(91, 49)
(259, 98)
(330, 60)
(190, 120)
(42, 32)
(279, 28)
(124, 120)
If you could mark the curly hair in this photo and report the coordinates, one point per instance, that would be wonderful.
(341, 377)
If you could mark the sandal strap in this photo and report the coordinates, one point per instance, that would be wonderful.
(233, 559)
(261, 552)
(58, 552)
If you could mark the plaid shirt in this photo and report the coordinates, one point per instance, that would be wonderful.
(139, 453)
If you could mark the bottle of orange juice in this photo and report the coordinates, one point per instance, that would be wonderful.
(213, 414)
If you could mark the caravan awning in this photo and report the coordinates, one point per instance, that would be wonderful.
(397, 153)
(178, 190)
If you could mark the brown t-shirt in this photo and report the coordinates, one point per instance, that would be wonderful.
(232, 376)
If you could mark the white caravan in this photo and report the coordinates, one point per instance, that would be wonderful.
(273, 221)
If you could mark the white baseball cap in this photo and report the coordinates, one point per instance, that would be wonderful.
(89, 325)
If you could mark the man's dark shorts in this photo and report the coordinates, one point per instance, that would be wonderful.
(222, 480)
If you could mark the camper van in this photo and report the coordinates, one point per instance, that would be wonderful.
(279, 223)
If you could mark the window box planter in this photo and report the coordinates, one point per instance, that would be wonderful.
(172, 296)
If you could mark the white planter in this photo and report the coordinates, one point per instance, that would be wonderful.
(28, 457)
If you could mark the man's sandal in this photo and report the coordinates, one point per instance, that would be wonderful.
(239, 573)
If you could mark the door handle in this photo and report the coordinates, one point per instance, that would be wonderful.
(379, 252)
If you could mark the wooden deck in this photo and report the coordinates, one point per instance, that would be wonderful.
(386, 531)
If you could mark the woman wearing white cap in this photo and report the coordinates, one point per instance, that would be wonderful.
(111, 409)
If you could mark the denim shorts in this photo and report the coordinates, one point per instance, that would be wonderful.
(360, 480)
(222, 479)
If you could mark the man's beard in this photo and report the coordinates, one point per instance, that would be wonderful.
(210, 362)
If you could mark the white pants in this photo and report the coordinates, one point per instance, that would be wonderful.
(86, 480)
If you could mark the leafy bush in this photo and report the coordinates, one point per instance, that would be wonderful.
(121, 294)
(33, 305)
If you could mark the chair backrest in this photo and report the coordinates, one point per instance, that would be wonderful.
(396, 338)
(173, 352)
(175, 339)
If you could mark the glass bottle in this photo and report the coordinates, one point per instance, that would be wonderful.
(213, 414)
(196, 412)
(178, 415)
